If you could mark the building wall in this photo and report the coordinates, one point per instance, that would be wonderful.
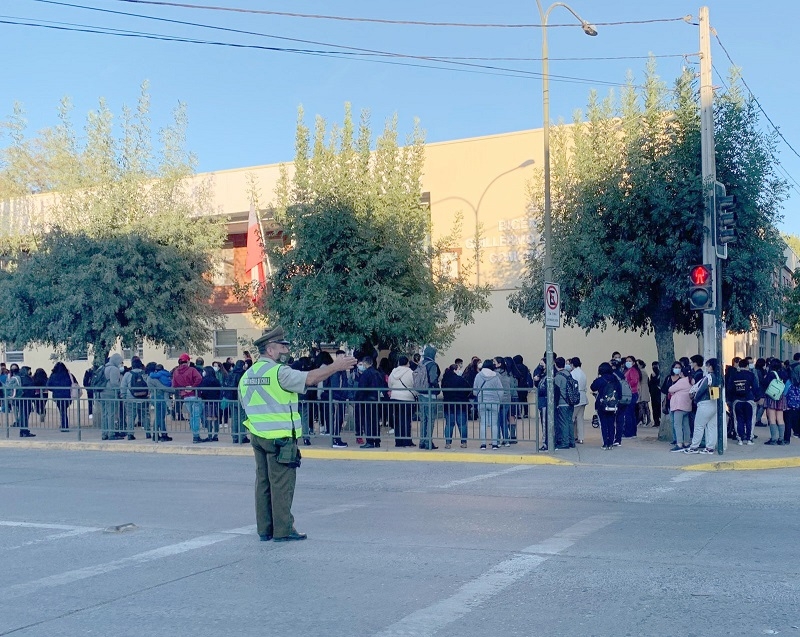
(483, 179)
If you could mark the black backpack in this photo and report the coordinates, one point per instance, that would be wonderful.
(138, 386)
(99, 380)
(608, 398)
(231, 385)
(572, 394)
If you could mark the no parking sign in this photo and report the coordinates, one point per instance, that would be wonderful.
(552, 305)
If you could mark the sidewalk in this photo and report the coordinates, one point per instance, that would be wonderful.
(642, 451)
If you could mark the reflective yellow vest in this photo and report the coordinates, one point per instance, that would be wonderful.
(271, 411)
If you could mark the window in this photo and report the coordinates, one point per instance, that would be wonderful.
(773, 340)
(226, 344)
(174, 352)
(223, 273)
(129, 352)
(14, 353)
(762, 344)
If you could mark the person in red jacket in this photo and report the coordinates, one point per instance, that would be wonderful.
(186, 378)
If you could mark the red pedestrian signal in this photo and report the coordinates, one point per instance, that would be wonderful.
(701, 292)
(700, 275)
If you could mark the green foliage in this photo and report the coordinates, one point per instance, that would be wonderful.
(628, 209)
(103, 185)
(137, 228)
(76, 289)
(360, 263)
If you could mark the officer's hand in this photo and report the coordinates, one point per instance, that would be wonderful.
(344, 363)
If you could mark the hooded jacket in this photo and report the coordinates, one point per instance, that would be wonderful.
(459, 390)
(160, 382)
(186, 377)
(401, 382)
(429, 360)
(210, 385)
(488, 388)
(111, 370)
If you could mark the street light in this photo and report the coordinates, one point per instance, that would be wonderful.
(525, 164)
(588, 29)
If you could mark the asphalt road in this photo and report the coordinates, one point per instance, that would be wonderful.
(394, 548)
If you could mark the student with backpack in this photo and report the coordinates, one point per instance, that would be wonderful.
(426, 387)
(774, 386)
(60, 384)
(607, 390)
(135, 391)
(791, 414)
(567, 395)
(742, 390)
(633, 376)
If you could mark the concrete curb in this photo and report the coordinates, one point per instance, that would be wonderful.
(308, 453)
(755, 464)
(315, 453)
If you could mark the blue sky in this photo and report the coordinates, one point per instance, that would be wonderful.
(243, 102)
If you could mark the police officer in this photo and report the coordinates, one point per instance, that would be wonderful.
(268, 392)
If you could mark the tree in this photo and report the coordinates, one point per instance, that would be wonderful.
(107, 192)
(76, 290)
(628, 212)
(358, 262)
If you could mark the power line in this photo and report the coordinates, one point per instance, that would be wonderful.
(755, 99)
(376, 52)
(169, 38)
(387, 21)
(792, 182)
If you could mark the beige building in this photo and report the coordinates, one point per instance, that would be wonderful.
(486, 180)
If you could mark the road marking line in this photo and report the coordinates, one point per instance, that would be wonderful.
(483, 476)
(333, 510)
(685, 477)
(428, 621)
(60, 527)
(50, 538)
(69, 577)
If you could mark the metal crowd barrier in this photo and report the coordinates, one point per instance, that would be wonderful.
(435, 418)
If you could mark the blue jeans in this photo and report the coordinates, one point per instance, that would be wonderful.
(427, 418)
(630, 417)
(455, 415)
(502, 422)
(195, 408)
(680, 425)
(161, 415)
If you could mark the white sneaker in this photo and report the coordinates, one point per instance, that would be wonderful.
(749, 442)
(740, 443)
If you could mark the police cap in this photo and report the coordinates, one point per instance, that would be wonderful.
(275, 335)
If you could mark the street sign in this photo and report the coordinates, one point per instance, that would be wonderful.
(552, 305)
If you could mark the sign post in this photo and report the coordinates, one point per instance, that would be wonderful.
(552, 319)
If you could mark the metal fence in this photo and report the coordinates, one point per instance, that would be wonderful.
(366, 415)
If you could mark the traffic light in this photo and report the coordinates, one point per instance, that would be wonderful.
(701, 295)
(724, 216)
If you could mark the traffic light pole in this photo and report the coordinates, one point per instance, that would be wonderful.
(712, 323)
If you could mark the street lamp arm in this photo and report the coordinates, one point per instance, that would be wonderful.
(545, 16)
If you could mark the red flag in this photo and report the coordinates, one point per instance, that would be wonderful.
(254, 259)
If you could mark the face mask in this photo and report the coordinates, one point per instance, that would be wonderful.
(751, 366)
(676, 370)
(619, 360)
(283, 358)
(568, 368)
(459, 372)
(122, 368)
(628, 364)
(361, 368)
(216, 369)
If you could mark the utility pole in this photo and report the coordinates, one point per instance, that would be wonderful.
(712, 323)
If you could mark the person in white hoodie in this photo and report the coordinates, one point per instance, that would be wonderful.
(401, 382)
(488, 389)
